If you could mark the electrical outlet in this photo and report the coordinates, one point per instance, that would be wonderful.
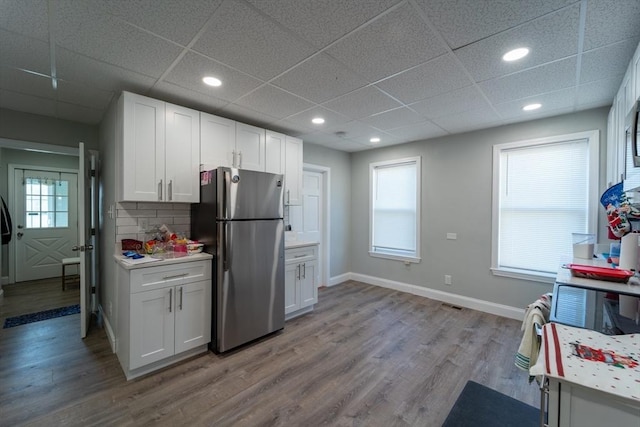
(143, 224)
(452, 236)
(110, 310)
(447, 279)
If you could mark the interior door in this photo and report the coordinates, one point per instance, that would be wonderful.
(312, 220)
(86, 242)
(45, 222)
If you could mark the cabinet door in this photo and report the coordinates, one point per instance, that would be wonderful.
(275, 158)
(182, 150)
(193, 315)
(613, 167)
(152, 326)
(291, 288)
(217, 141)
(308, 283)
(143, 136)
(293, 171)
(250, 147)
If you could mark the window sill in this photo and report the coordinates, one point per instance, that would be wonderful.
(521, 274)
(414, 260)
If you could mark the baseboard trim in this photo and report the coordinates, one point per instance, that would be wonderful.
(111, 336)
(5, 280)
(336, 280)
(459, 300)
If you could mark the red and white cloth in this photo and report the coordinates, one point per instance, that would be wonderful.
(609, 363)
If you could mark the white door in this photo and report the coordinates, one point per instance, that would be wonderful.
(46, 226)
(312, 214)
(182, 154)
(87, 216)
(193, 304)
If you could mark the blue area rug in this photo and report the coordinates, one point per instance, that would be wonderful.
(481, 406)
(23, 319)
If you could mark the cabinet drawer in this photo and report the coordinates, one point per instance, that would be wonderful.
(143, 279)
(300, 254)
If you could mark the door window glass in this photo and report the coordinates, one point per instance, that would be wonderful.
(47, 203)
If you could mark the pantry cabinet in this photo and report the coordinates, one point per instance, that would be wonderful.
(301, 286)
(159, 151)
(165, 314)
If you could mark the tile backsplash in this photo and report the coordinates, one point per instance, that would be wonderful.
(132, 217)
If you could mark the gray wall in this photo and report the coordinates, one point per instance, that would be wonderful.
(456, 197)
(340, 203)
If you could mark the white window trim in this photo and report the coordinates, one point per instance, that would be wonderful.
(418, 161)
(593, 138)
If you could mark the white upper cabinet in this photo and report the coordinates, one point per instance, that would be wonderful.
(293, 171)
(275, 158)
(159, 151)
(217, 141)
(250, 147)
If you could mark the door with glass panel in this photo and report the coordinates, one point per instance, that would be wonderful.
(46, 222)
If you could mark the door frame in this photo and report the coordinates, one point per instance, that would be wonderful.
(11, 194)
(325, 226)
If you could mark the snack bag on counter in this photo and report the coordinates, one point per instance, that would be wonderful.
(619, 211)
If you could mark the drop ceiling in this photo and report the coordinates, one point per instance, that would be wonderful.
(397, 70)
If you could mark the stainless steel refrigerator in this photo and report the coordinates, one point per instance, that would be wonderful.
(240, 221)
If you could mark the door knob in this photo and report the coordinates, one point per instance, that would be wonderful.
(75, 249)
(20, 226)
(20, 235)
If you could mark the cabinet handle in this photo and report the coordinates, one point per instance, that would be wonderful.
(240, 157)
(160, 190)
(180, 298)
(175, 276)
(300, 256)
(170, 190)
(304, 270)
(288, 197)
(170, 299)
(233, 161)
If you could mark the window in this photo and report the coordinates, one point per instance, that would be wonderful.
(395, 209)
(47, 203)
(543, 190)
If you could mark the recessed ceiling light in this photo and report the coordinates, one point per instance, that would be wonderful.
(374, 140)
(317, 120)
(212, 81)
(531, 107)
(515, 54)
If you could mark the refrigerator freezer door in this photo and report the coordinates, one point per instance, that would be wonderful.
(245, 194)
(250, 281)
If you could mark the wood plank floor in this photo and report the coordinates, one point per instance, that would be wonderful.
(36, 295)
(366, 356)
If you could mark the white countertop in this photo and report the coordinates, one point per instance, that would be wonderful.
(564, 276)
(149, 261)
(298, 244)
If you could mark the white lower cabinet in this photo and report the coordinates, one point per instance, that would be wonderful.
(165, 315)
(301, 285)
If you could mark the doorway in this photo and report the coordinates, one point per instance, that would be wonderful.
(45, 210)
(315, 214)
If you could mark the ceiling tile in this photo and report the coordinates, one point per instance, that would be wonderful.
(274, 102)
(418, 132)
(244, 39)
(74, 67)
(84, 96)
(468, 120)
(354, 130)
(78, 113)
(188, 73)
(180, 96)
(456, 101)
(464, 21)
(397, 41)
(606, 61)
(437, 76)
(27, 83)
(176, 20)
(564, 98)
(83, 29)
(26, 17)
(363, 102)
(539, 115)
(320, 79)
(599, 92)
(322, 22)
(609, 21)
(394, 119)
(547, 78)
(27, 103)
(247, 115)
(331, 119)
(24, 52)
(548, 38)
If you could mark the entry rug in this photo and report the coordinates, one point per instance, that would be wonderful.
(481, 406)
(23, 319)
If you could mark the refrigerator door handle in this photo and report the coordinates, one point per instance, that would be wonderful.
(225, 247)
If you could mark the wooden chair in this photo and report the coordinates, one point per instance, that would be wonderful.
(66, 262)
